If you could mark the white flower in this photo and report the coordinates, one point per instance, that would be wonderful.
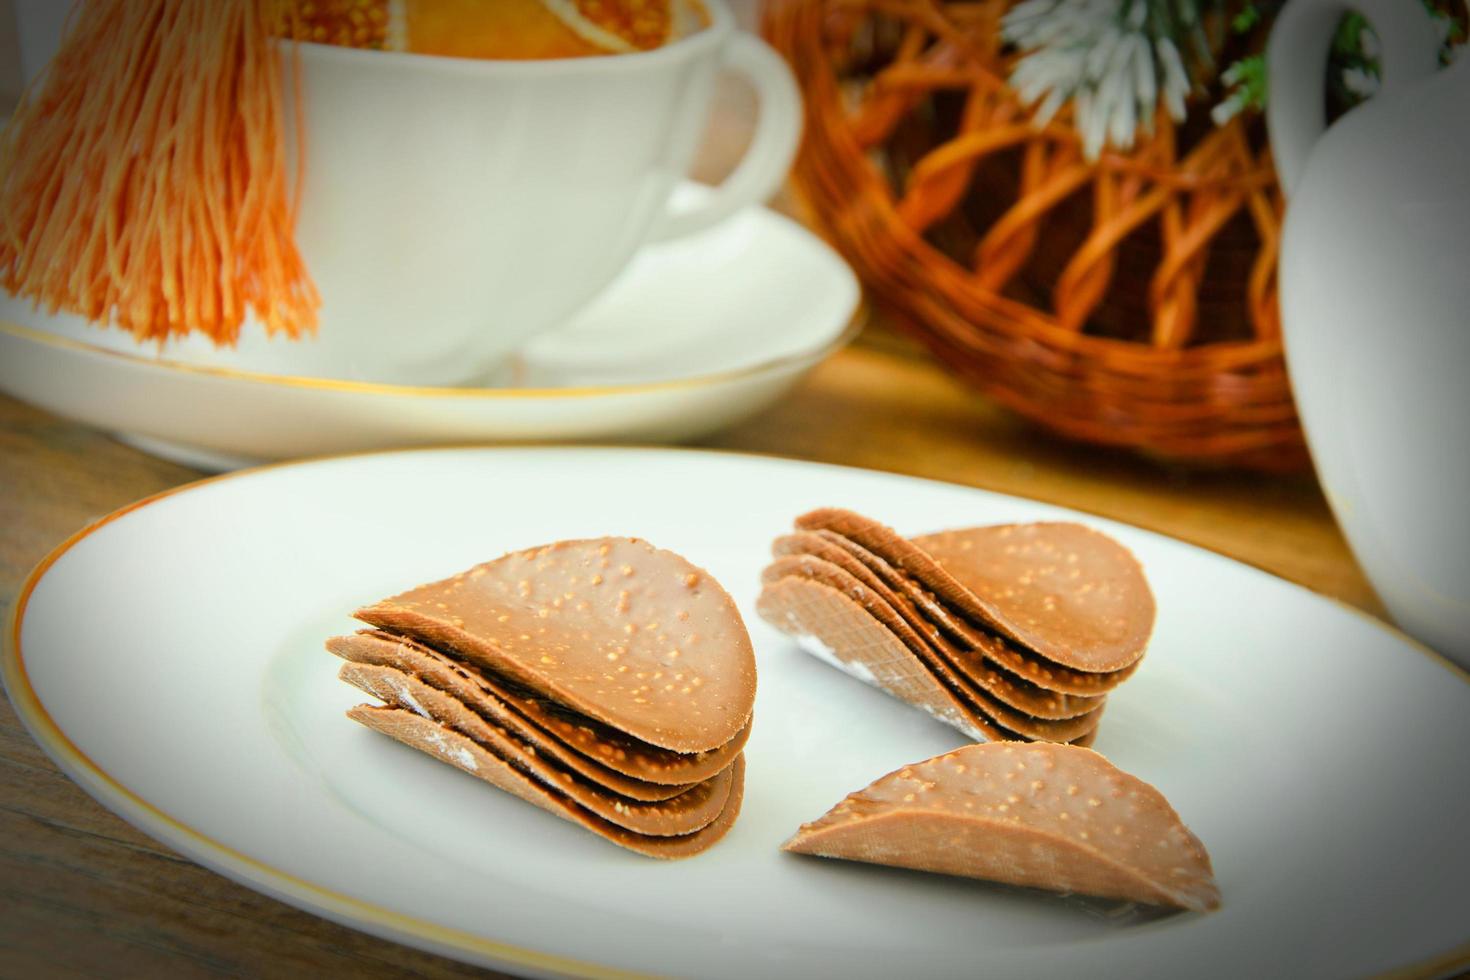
(1229, 108)
(1369, 44)
(1176, 79)
(1359, 82)
(1099, 56)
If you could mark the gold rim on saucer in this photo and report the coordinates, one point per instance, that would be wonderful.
(45, 338)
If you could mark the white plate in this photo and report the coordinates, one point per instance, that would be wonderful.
(169, 658)
(697, 334)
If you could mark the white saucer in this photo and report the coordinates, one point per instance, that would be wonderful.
(697, 334)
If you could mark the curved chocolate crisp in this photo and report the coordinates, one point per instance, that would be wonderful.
(612, 628)
(928, 657)
(682, 814)
(834, 628)
(617, 761)
(917, 631)
(1005, 654)
(1071, 594)
(1047, 816)
(466, 754)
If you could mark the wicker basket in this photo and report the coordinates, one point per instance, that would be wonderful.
(1130, 302)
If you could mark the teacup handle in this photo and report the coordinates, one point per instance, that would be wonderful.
(1296, 64)
(767, 160)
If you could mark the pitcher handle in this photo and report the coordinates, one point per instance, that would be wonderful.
(1296, 67)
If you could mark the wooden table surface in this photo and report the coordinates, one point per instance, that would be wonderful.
(83, 894)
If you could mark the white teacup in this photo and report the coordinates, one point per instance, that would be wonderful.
(453, 207)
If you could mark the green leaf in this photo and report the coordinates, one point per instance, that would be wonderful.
(1348, 43)
(1248, 77)
(1246, 20)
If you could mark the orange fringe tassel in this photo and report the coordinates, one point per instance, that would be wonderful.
(143, 180)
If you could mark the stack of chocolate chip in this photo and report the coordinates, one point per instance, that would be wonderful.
(606, 681)
(1012, 632)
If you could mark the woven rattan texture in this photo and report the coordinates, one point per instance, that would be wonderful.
(1129, 301)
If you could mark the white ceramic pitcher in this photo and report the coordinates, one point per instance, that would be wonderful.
(1375, 302)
